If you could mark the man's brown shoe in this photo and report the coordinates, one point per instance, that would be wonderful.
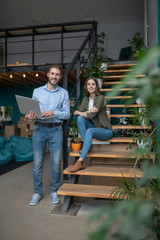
(77, 166)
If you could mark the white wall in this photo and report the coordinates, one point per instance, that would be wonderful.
(119, 19)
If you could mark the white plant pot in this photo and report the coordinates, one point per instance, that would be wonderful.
(100, 82)
(104, 66)
(144, 143)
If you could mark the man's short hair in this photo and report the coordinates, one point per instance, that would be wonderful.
(55, 66)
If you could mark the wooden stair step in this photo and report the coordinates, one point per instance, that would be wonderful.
(117, 70)
(107, 171)
(121, 115)
(122, 89)
(129, 127)
(116, 139)
(121, 65)
(108, 154)
(79, 190)
(119, 97)
(122, 76)
(125, 105)
(114, 83)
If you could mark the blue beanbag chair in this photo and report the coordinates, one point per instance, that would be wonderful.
(3, 141)
(6, 155)
(22, 148)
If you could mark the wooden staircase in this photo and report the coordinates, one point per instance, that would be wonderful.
(109, 159)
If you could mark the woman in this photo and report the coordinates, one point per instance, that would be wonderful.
(92, 120)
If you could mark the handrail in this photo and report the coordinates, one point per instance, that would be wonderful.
(86, 61)
(72, 64)
(32, 31)
(78, 54)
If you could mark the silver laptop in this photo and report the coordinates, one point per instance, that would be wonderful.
(26, 105)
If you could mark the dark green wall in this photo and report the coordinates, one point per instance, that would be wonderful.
(159, 61)
(7, 98)
(159, 21)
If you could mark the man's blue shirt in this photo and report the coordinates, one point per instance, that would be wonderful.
(56, 100)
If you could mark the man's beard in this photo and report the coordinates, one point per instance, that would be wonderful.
(53, 84)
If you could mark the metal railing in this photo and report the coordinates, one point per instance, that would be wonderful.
(30, 35)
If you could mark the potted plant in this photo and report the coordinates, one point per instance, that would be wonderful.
(76, 144)
(145, 138)
(99, 61)
(99, 53)
(137, 44)
(142, 116)
(96, 71)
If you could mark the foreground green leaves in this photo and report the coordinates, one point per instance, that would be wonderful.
(129, 221)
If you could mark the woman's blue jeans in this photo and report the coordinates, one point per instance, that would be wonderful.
(54, 136)
(88, 131)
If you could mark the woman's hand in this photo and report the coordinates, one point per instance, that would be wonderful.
(47, 113)
(94, 109)
(76, 113)
(31, 115)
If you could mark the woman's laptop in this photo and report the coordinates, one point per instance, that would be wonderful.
(26, 105)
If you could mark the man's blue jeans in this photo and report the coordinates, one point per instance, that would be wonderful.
(88, 131)
(54, 135)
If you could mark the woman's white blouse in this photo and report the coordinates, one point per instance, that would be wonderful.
(90, 103)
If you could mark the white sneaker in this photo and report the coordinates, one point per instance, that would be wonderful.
(35, 199)
(55, 198)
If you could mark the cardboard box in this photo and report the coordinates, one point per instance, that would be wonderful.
(30, 133)
(24, 132)
(22, 124)
(11, 130)
(31, 126)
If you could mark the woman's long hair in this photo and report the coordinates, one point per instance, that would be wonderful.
(97, 90)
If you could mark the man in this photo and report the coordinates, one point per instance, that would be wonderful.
(54, 103)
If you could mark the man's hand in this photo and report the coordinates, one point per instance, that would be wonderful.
(47, 113)
(31, 115)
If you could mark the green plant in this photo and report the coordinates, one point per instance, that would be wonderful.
(142, 116)
(146, 138)
(99, 53)
(98, 57)
(7, 112)
(147, 145)
(139, 217)
(96, 70)
(75, 131)
(129, 221)
(136, 42)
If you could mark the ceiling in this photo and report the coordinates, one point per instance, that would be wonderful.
(19, 79)
(29, 78)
